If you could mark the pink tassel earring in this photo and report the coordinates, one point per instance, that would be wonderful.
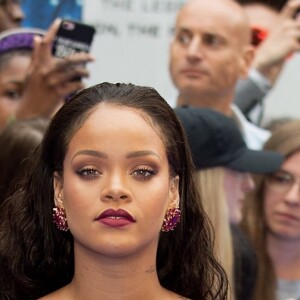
(172, 218)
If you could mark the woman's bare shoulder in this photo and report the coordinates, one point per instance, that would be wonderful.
(57, 295)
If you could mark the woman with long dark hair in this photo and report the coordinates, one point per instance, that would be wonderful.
(110, 209)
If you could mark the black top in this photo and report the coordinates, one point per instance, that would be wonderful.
(245, 265)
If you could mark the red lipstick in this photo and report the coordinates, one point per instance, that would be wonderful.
(115, 218)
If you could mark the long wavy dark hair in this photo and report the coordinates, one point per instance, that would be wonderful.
(37, 258)
(17, 141)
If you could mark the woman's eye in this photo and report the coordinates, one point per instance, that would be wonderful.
(13, 94)
(88, 173)
(283, 179)
(144, 173)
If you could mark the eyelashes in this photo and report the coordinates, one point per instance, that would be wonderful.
(88, 173)
(140, 173)
(144, 173)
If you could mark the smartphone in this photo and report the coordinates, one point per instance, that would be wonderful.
(72, 37)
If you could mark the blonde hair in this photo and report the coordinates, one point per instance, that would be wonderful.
(285, 140)
(210, 183)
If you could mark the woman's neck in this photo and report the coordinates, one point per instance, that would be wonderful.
(285, 255)
(101, 277)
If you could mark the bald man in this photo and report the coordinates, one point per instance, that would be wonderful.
(210, 52)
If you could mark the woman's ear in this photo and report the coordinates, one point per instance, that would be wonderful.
(174, 192)
(58, 189)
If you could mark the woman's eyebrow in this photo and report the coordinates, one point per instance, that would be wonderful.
(141, 153)
(91, 153)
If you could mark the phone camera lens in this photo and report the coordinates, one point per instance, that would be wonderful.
(68, 25)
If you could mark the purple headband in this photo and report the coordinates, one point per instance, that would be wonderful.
(17, 40)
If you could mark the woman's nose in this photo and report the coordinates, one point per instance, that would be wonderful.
(115, 188)
(293, 195)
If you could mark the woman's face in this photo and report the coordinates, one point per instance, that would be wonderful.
(116, 185)
(236, 185)
(282, 200)
(12, 77)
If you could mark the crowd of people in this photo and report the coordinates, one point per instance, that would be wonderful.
(108, 192)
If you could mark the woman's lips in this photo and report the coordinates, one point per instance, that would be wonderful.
(287, 216)
(115, 218)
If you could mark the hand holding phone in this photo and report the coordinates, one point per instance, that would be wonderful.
(72, 37)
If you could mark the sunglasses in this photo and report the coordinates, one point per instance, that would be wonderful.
(258, 35)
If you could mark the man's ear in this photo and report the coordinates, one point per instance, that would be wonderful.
(246, 61)
(58, 189)
(174, 196)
